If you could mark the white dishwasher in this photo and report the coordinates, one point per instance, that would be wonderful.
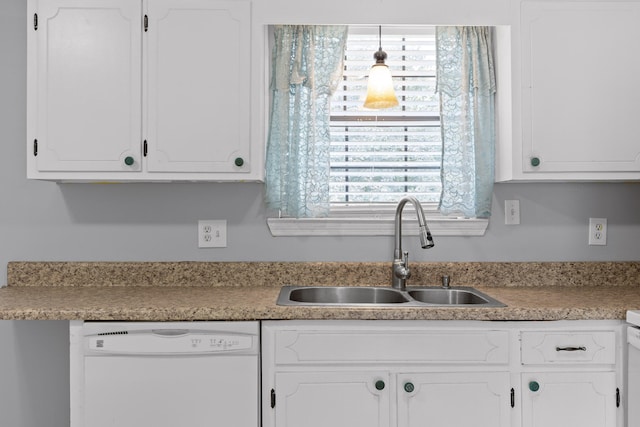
(164, 374)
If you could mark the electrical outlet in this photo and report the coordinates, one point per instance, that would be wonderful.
(598, 231)
(212, 234)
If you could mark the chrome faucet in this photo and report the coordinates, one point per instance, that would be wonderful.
(401, 270)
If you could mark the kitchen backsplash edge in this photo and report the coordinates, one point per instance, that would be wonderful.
(196, 273)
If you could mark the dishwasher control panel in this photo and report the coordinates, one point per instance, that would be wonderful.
(168, 342)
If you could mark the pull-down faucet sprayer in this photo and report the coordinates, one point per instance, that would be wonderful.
(401, 270)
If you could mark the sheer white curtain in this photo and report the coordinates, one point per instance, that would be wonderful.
(306, 69)
(466, 84)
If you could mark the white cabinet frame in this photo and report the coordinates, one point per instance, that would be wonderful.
(423, 365)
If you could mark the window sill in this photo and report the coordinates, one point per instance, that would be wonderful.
(374, 226)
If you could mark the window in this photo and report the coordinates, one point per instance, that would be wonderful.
(379, 156)
(376, 156)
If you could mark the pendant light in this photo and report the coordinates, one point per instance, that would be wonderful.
(380, 93)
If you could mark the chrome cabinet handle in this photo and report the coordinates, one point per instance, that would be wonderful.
(581, 348)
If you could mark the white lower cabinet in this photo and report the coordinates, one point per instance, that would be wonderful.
(560, 399)
(479, 399)
(569, 378)
(354, 398)
(442, 374)
(336, 399)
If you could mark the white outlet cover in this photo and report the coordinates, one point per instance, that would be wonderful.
(598, 231)
(212, 233)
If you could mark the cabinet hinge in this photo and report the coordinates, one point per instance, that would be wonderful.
(617, 397)
(35, 147)
(273, 398)
(35, 22)
(146, 23)
(144, 148)
(513, 398)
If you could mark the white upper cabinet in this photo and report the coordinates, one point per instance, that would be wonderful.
(85, 86)
(576, 92)
(197, 87)
(122, 90)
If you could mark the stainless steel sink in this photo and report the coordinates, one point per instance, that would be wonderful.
(346, 295)
(357, 296)
(442, 296)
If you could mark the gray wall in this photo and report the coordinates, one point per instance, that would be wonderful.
(157, 222)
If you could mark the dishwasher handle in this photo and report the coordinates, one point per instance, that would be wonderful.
(169, 332)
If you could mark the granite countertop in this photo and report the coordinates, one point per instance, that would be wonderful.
(248, 291)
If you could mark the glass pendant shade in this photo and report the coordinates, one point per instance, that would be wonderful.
(380, 92)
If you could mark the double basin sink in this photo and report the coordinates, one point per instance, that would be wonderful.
(370, 296)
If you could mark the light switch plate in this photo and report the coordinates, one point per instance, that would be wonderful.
(512, 212)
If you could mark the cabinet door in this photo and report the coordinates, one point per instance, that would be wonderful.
(585, 399)
(84, 78)
(479, 399)
(197, 93)
(335, 399)
(580, 86)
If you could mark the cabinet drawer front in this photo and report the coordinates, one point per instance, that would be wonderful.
(445, 346)
(568, 347)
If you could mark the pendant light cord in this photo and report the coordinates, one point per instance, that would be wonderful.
(380, 55)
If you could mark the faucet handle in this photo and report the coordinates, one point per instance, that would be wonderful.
(445, 282)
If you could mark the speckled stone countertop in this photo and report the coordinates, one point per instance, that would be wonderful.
(162, 291)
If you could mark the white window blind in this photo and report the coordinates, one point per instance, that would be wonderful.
(378, 156)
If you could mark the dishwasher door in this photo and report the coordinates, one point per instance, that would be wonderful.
(167, 375)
